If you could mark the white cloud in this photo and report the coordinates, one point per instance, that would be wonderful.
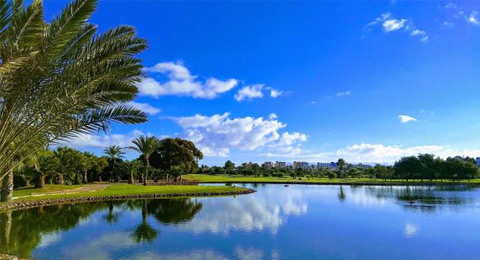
(344, 93)
(390, 24)
(406, 118)
(391, 153)
(101, 141)
(180, 82)
(256, 91)
(448, 24)
(172, 70)
(145, 107)
(418, 32)
(451, 6)
(216, 135)
(291, 138)
(249, 92)
(274, 93)
(393, 24)
(374, 153)
(272, 116)
(473, 18)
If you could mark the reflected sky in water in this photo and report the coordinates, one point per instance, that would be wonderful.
(276, 222)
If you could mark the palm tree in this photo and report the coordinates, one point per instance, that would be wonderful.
(87, 162)
(132, 168)
(65, 166)
(341, 165)
(44, 164)
(61, 78)
(145, 145)
(114, 153)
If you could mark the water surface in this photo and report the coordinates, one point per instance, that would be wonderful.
(276, 222)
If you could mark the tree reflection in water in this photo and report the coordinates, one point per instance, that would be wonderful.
(112, 217)
(22, 231)
(144, 232)
(423, 198)
(341, 194)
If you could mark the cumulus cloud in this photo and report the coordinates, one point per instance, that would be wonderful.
(216, 135)
(390, 153)
(101, 141)
(145, 107)
(391, 24)
(249, 92)
(291, 138)
(406, 118)
(180, 82)
(372, 153)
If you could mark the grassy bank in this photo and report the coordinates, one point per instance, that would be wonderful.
(360, 181)
(79, 191)
(48, 189)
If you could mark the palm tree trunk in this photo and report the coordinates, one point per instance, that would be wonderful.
(61, 181)
(7, 187)
(144, 211)
(85, 177)
(146, 172)
(131, 180)
(41, 181)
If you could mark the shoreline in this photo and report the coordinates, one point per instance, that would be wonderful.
(25, 204)
(388, 183)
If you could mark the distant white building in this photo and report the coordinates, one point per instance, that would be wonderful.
(280, 164)
(268, 165)
(302, 165)
(330, 165)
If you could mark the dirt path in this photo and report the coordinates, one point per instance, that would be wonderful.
(84, 188)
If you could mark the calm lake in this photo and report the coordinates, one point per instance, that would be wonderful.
(276, 222)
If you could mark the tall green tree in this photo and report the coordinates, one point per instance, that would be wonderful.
(341, 165)
(145, 145)
(408, 167)
(176, 153)
(67, 165)
(132, 168)
(61, 78)
(87, 163)
(229, 166)
(114, 153)
(44, 164)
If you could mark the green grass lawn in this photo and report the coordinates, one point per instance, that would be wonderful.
(252, 179)
(127, 189)
(48, 188)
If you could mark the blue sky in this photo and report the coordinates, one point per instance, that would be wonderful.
(368, 81)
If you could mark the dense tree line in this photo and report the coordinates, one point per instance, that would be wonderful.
(429, 167)
(167, 160)
(421, 167)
